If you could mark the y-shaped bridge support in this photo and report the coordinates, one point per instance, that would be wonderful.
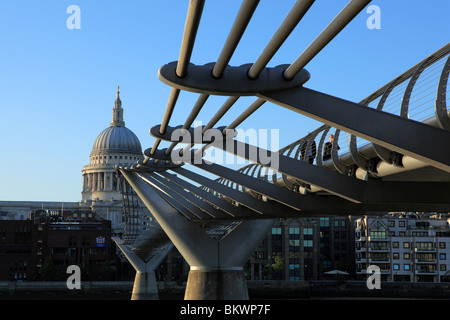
(145, 286)
(216, 266)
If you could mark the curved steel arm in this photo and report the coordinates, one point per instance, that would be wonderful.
(408, 137)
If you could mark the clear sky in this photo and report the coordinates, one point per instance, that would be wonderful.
(58, 86)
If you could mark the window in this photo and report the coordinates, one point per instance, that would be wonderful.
(324, 222)
(377, 231)
(294, 266)
(423, 256)
(294, 243)
(391, 223)
(72, 240)
(379, 245)
(406, 267)
(406, 256)
(405, 245)
(395, 255)
(379, 256)
(396, 266)
(443, 256)
(307, 231)
(441, 245)
(401, 223)
(443, 267)
(424, 245)
(276, 230)
(307, 243)
(294, 230)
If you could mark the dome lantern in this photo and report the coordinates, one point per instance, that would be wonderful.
(117, 118)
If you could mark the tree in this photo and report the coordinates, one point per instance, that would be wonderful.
(278, 266)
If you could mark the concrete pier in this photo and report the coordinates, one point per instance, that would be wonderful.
(145, 286)
(216, 285)
(216, 265)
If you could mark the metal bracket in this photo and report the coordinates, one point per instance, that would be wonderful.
(191, 135)
(233, 82)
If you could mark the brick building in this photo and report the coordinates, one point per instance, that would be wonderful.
(43, 246)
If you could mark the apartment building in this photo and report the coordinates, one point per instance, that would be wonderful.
(406, 247)
(304, 248)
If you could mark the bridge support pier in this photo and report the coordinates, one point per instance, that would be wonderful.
(216, 285)
(145, 286)
(220, 276)
(216, 265)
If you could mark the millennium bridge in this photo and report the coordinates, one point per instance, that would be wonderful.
(388, 152)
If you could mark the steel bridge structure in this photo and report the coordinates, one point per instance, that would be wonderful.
(388, 152)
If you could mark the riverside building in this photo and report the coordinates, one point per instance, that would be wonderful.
(304, 248)
(44, 245)
(406, 247)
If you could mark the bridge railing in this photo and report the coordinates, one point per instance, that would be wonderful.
(420, 94)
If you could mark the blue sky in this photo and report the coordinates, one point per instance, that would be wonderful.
(57, 86)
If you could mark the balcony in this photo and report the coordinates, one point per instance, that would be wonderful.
(426, 261)
(377, 239)
(425, 249)
(379, 260)
(382, 271)
(426, 271)
(379, 249)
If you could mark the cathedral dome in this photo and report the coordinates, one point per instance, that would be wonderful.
(117, 138)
